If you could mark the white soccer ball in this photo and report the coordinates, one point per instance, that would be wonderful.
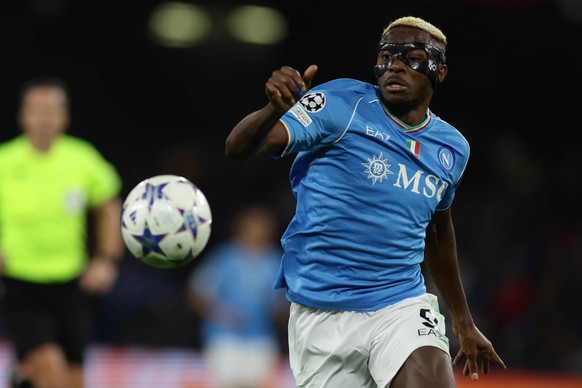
(166, 221)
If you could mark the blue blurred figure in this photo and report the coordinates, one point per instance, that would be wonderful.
(232, 290)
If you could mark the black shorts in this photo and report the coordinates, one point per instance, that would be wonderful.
(36, 314)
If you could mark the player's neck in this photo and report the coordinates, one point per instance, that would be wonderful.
(413, 118)
(407, 116)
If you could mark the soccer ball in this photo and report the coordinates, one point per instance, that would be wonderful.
(166, 221)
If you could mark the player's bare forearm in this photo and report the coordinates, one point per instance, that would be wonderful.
(441, 262)
(248, 137)
(260, 130)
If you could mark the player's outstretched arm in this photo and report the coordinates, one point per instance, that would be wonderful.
(441, 262)
(260, 130)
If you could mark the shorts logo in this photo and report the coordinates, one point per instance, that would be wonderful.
(446, 158)
(429, 319)
(313, 102)
(431, 324)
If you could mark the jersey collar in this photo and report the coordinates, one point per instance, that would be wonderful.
(405, 127)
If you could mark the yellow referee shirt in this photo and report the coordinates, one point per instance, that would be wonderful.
(44, 200)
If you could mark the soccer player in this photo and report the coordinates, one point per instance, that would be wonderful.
(48, 183)
(375, 173)
(232, 292)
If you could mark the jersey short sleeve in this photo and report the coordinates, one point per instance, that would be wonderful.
(321, 117)
(457, 157)
(448, 197)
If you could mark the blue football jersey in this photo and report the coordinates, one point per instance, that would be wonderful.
(366, 186)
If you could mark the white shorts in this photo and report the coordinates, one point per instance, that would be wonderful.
(361, 349)
(241, 362)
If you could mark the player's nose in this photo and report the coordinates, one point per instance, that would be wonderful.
(396, 64)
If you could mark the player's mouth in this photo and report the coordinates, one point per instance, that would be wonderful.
(395, 84)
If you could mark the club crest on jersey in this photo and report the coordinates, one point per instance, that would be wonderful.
(446, 158)
(313, 102)
(377, 168)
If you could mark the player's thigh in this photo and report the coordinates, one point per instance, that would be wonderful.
(258, 361)
(237, 361)
(223, 361)
(328, 349)
(425, 367)
(402, 329)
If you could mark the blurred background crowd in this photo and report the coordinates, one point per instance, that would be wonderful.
(157, 86)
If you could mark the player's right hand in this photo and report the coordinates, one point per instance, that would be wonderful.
(287, 85)
(473, 345)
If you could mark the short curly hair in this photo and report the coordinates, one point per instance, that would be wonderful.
(421, 24)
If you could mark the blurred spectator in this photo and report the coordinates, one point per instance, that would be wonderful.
(48, 183)
(232, 290)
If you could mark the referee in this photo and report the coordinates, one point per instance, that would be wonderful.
(49, 181)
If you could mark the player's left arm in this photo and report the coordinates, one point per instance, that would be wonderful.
(101, 272)
(442, 264)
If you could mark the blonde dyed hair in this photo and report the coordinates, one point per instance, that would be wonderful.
(416, 22)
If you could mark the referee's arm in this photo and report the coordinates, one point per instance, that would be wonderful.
(101, 272)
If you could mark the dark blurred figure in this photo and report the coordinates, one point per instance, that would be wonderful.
(49, 182)
(232, 290)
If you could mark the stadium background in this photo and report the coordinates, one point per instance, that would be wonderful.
(513, 89)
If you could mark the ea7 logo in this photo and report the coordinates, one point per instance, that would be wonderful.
(429, 319)
(431, 322)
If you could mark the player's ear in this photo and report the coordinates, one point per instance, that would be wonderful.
(442, 72)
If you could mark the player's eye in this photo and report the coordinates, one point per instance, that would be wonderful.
(415, 59)
(416, 55)
(386, 56)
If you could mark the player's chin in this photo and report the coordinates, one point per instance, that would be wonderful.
(399, 100)
(395, 93)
